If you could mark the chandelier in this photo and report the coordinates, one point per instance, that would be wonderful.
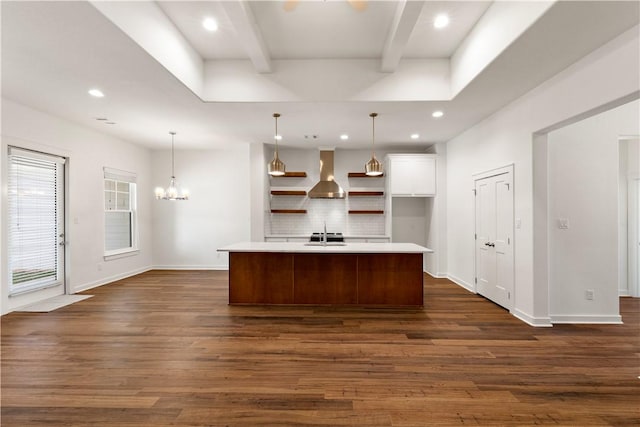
(173, 191)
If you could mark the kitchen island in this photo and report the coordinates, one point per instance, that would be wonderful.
(352, 274)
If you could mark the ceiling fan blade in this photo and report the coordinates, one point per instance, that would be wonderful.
(289, 5)
(359, 5)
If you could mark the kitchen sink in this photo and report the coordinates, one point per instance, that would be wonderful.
(325, 244)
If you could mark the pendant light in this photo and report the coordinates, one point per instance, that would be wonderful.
(173, 191)
(276, 166)
(373, 167)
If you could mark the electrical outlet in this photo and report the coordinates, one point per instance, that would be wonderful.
(588, 294)
(563, 223)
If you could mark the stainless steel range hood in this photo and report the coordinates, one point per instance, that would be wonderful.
(327, 188)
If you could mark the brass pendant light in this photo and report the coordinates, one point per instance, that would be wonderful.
(276, 166)
(373, 167)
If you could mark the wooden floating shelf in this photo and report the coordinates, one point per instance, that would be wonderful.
(289, 211)
(366, 193)
(288, 192)
(292, 175)
(357, 212)
(362, 175)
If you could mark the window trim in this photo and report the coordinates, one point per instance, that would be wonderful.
(118, 175)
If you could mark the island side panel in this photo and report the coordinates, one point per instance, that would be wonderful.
(390, 279)
(260, 278)
(325, 279)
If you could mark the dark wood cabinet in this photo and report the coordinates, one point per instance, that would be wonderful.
(325, 279)
(390, 279)
(367, 279)
(260, 278)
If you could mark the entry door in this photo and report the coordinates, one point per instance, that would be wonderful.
(494, 238)
(36, 237)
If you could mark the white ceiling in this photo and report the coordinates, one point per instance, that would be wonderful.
(324, 29)
(53, 52)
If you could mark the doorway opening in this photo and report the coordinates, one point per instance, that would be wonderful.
(628, 215)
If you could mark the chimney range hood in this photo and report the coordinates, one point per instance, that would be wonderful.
(327, 188)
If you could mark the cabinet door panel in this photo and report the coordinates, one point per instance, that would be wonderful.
(413, 175)
(260, 278)
(390, 279)
(325, 279)
(401, 177)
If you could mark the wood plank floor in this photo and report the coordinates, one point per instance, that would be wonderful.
(164, 348)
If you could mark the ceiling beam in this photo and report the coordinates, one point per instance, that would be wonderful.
(248, 33)
(407, 14)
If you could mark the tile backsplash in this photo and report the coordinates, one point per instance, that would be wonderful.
(332, 211)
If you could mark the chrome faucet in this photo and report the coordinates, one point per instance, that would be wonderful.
(324, 235)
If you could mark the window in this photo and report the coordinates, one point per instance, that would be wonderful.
(35, 204)
(120, 216)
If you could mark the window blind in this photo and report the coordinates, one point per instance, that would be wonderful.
(119, 175)
(34, 207)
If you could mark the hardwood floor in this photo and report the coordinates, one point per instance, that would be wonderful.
(164, 348)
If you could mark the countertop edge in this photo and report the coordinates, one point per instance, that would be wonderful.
(300, 247)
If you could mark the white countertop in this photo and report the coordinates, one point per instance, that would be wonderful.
(348, 248)
(306, 236)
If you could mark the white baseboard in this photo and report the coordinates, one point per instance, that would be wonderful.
(538, 322)
(587, 318)
(623, 293)
(436, 275)
(109, 279)
(461, 283)
(190, 267)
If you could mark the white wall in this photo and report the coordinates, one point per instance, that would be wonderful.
(436, 262)
(88, 152)
(583, 174)
(259, 191)
(218, 213)
(607, 75)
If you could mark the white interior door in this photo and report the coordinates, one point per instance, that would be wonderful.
(36, 234)
(494, 238)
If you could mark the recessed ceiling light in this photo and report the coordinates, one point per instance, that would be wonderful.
(96, 92)
(110, 123)
(437, 114)
(210, 24)
(101, 118)
(344, 137)
(415, 136)
(441, 21)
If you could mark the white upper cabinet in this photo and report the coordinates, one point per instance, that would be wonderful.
(411, 175)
